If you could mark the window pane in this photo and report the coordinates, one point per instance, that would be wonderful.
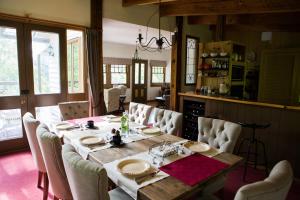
(104, 73)
(48, 114)
(142, 73)
(136, 73)
(9, 68)
(118, 74)
(191, 60)
(158, 74)
(10, 124)
(46, 66)
(75, 61)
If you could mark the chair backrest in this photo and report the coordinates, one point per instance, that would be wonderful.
(139, 113)
(31, 124)
(111, 99)
(88, 181)
(123, 89)
(220, 134)
(275, 187)
(168, 121)
(74, 109)
(51, 150)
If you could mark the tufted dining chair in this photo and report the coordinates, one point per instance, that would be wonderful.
(30, 125)
(139, 113)
(274, 187)
(168, 121)
(74, 109)
(88, 181)
(220, 134)
(51, 150)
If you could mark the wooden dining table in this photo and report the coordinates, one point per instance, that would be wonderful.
(168, 188)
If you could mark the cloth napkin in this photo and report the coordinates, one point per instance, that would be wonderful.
(194, 169)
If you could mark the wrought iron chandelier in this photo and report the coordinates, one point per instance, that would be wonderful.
(161, 42)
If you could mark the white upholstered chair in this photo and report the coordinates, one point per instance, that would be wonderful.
(168, 121)
(220, 134)
(122, 89)
(111, 99)
(31, 124)
(139, 113)
(274, 187)
(88, 181)
(51, 150)
(74, 109)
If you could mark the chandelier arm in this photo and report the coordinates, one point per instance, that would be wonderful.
(164, 38)
(150, 41)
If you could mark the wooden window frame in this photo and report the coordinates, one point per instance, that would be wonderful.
(197, 59)
(164, 73)
(108, 76)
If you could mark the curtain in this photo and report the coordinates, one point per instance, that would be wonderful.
(95, 72)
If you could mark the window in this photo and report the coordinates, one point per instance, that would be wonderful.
(191, 60)
(116, 74)
(75, 61)
(158, 74)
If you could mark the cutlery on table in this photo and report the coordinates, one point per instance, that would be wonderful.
(139, 180)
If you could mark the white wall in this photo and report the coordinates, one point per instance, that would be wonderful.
(66, 11)
(126, 51)
(78, 11)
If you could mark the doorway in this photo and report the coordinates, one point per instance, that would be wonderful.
(139, 81)
(32, 76)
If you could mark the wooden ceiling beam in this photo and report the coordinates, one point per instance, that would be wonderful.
(249, 19)
(127, 3)
(190, 8)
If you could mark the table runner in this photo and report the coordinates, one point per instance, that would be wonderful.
(104, 129)
(129, 185)
(194, 168)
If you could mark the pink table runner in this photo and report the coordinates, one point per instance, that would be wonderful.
(193, 169)
(84, 120)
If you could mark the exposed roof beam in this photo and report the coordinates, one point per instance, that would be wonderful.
(142, 2)
(250, 19)
(179, 8)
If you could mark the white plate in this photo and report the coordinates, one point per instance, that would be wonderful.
(198, 147)
(133, 167)
(91, 140)
(64, 126)
(153, 130)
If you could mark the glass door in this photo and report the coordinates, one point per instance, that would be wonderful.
(47, 78)
(13, 102)
(139, 81)
(32, 78)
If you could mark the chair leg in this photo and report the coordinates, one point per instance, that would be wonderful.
(40, 176)
(255, 155)
(247, 160)
(46, 187)
(241, 144)
(265, 157)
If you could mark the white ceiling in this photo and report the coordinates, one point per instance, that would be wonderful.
(127, 33)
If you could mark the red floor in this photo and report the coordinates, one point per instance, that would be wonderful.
(18, 178)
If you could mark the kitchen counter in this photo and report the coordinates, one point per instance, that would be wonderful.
(236, 100)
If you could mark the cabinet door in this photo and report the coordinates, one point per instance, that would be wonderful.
(276, 76)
